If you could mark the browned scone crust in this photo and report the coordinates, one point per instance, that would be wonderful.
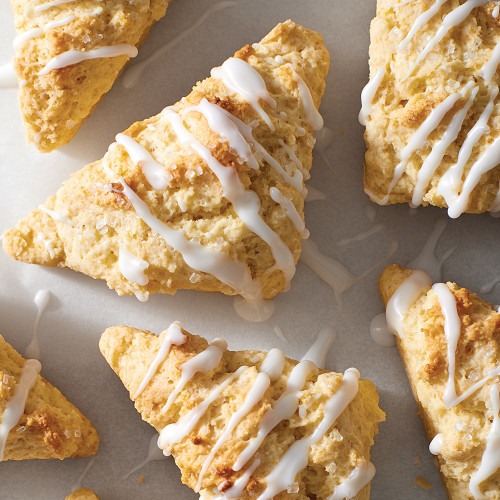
(82, 494)
(422, 346)
(194, 201)
(402, 102)
(51, 426)
(55, 105)
(130, 352)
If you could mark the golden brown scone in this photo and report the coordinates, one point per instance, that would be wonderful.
(445, 82)
(55, 105)
(423, 345)
(102, 219)
(51, 426)
(82, 494)
(345, 445)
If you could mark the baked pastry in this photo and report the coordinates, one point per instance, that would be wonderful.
(249, 424)
(36, 420)
(69, 54)
(430, 106)
(449, 342)
(82, 494)
(207, 195)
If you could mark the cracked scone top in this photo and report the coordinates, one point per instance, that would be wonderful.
(36, 420)
(448, 339)
(249, 424)
(69, 54)
(430, 107)
(208, 194)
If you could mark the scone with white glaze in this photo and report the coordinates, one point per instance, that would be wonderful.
(69, 54)
(431, 106)
(36, 420)
(449, 342)
(207, 195)
(82, 494)
(249, 424)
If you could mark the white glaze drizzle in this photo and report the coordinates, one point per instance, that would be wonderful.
(490, 66)
(488, 287)
(361, 236)
(495, 12)
(241, 78)
(283, 409)
(296, 457)
(155, 173)
(312, 114)
(132, 267)
(140, 296)
(49, 5)
(404, 297)
(333, 272)
(236, 490)
(16, 404)
(204, 259)
(56, 215)
(449, 184)
(78, 483)
(255, 312)
(47, 244)
(173, 336)
(154, 453)
(290, 211)
(291, 153)
(368, 94)
(436, 444)
(490, 461)
(175, 433)
(36, 32)
(318, 351)
(454, 18)
(433, 160)
(8, 77)
(223, 124)
(379, 331)
(360, 476)
(270, 369)
(422, 19)
(133, 74)
(205, 361)
(246, 203)
(75, 56)
(42, 299)
(448, 306)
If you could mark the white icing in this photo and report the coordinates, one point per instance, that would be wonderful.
(131, 267)
(74, 56)
(8, 77)
(47, 244)
(324, 139)
(205, 361)
(379, 331)
(436, 444)
(491, 65)
(296, 457)
(291, 153)
(204, 259)
(255, 312)
(312, 114)
(173, 336)
(154, 453)
(36, 32)
(140, 296)
(488, 287)
(155, 173)
(49, 5)
(78, 483)
(59, 217)
(362, 235)
(279, 333)
(16, 404)
(495, 12)
(273, 364)
(246, 203)
(239, 485)
(42, 299)
(404, 297)
(360, 476)
(290, 211)
(490, 461)
(133, 74)
(283, 409)
(368, 94)
(318, 352)
(241, 78)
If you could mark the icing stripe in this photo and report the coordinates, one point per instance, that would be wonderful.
(360, 476)
(290, 211)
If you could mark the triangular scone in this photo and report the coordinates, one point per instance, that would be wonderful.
(227, 214)
(316, 427)
(50, 426)
(449, 341)
(82, 494)
(59, 34)
(430, 106)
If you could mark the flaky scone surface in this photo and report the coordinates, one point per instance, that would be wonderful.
(130, 352)
(82, 494)
(406, 98)
(55, 105)
(103, 219)
(51, 426)
(423, 348)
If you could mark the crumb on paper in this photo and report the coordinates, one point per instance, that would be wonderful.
(417, 460)
(140, 479)
(422, 482)
(342, 131)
